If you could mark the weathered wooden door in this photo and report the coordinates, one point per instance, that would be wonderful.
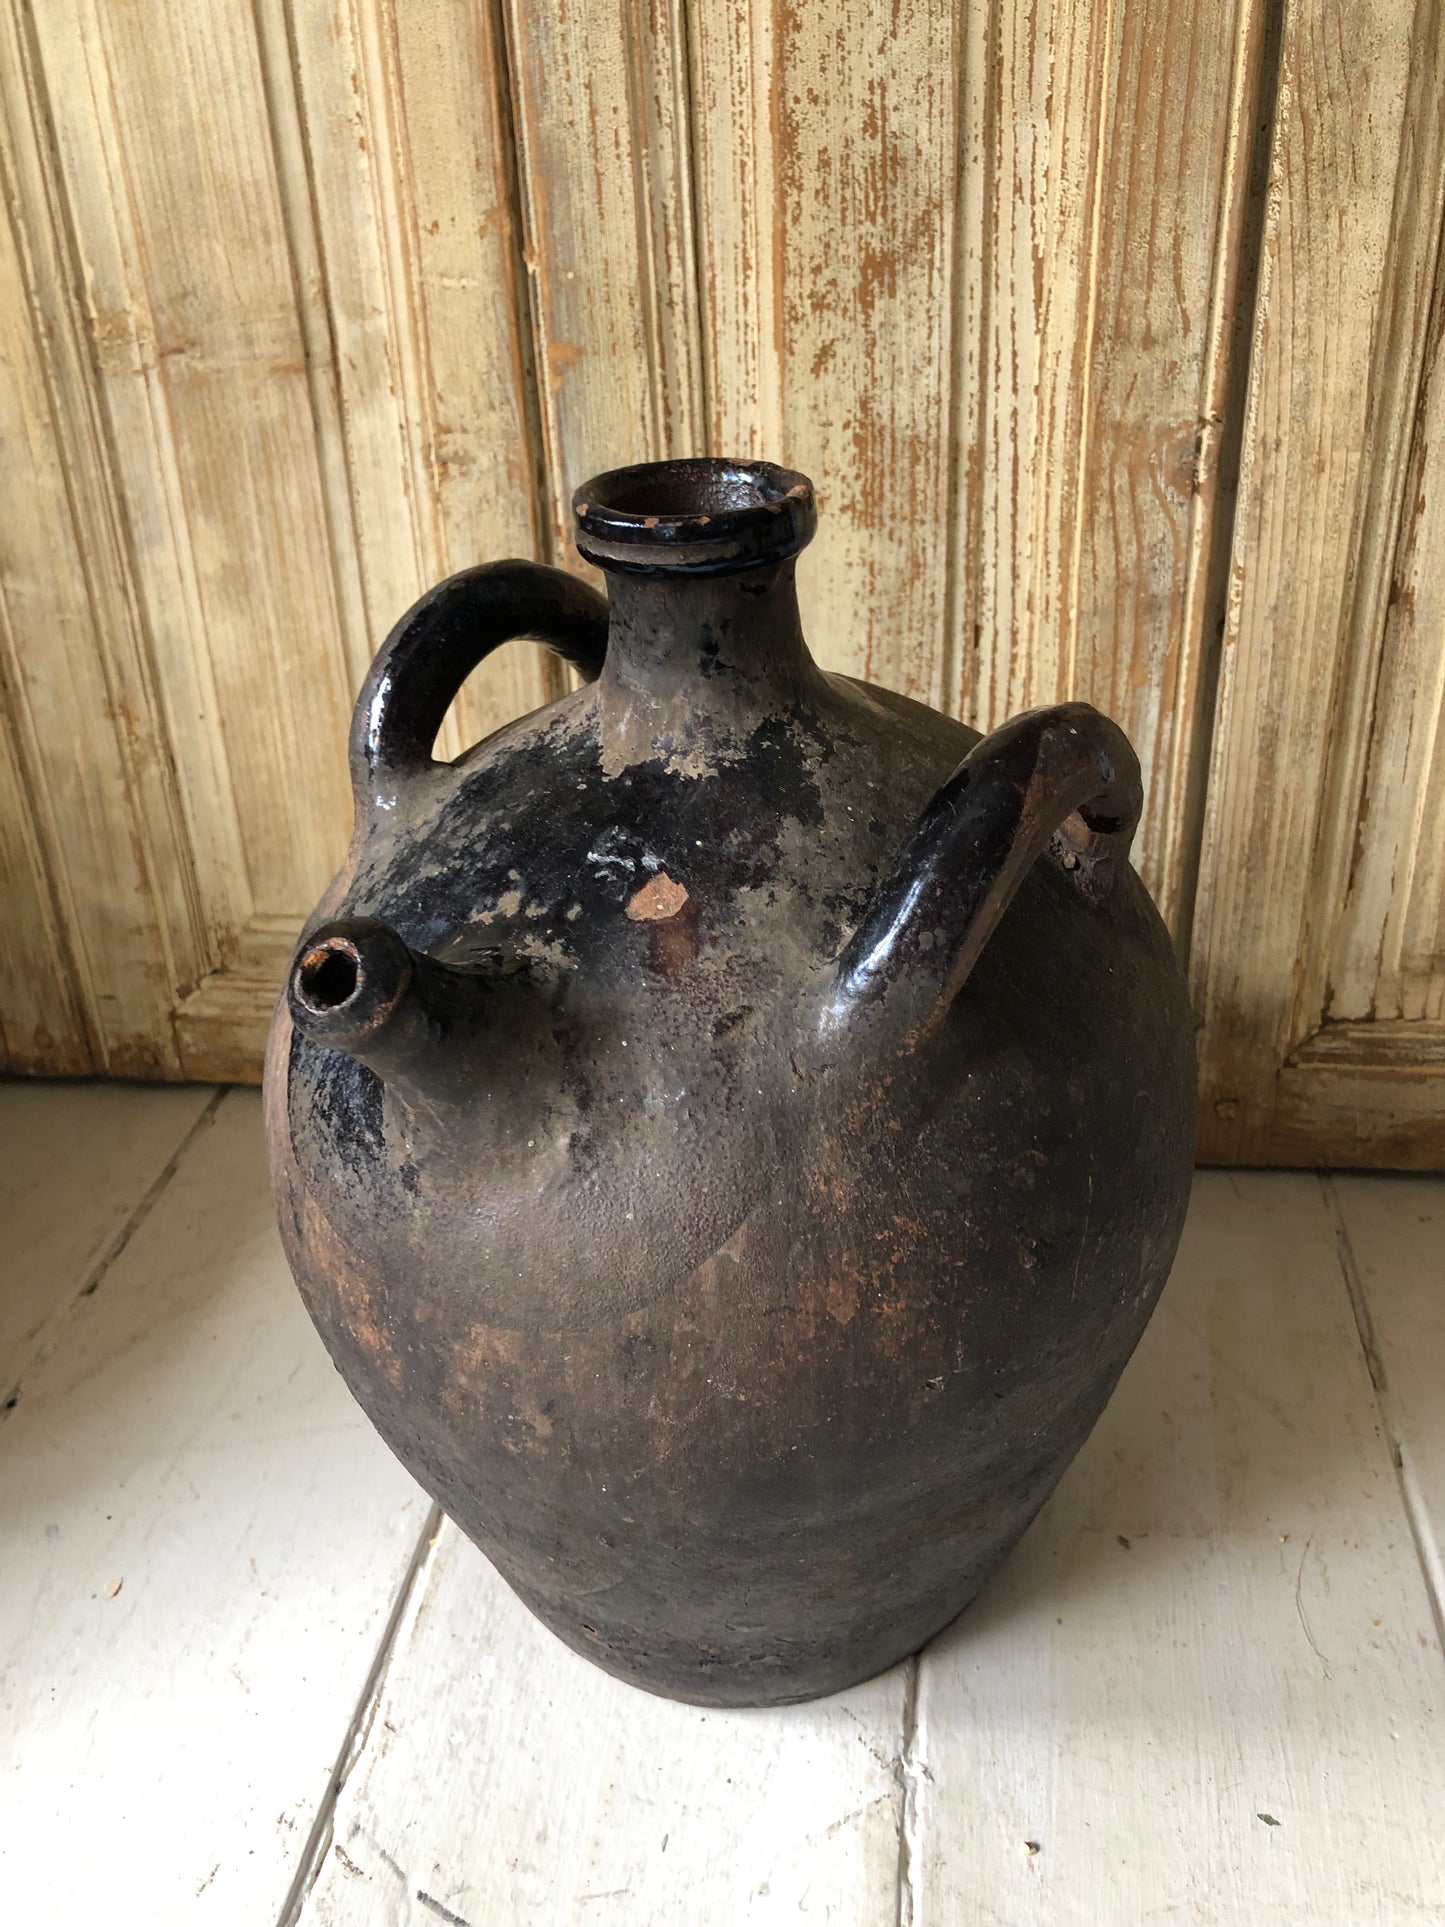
(1104, 328)
(1318, 935)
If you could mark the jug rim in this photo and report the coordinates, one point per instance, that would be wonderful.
(706, 514)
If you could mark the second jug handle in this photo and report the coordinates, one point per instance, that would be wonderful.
(1065, 777)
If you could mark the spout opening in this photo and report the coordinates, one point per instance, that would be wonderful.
(348, 981)
(706, 515)
(329, 976)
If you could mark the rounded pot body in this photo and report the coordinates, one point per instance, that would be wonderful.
(731, 1128)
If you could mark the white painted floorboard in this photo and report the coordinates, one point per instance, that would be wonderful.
(164, 1746)
(1394, 1231)
(505, 1780)
(1207, 1688)
(75, 1161)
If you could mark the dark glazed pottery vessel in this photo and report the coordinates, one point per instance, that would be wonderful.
(732, 1126)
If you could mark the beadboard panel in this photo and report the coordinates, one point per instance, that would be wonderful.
(99, 916)
(405, 192)
(1387, 960)
(828, 149)
(1106, 329)
(1322, 670)
(600, 100)
(42, 1029)
(191, 303)
(261, 415)
(1104, 221)
(976, 272)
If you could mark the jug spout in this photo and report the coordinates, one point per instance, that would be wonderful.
(357, 987)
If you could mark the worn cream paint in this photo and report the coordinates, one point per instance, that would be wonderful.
(1320, 893)
(416, 271)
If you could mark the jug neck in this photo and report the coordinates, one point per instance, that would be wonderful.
(730, 643)
(703, 628)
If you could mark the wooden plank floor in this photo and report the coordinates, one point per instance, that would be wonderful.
(246, 1675)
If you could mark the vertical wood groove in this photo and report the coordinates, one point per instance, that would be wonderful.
(1397, 375)
(524, 307)
(1234, 304)
(144, 878)
(1084, 358)
(648, 293)
(1100, 214)
(554, 675)
(599, 101)
(409, 157)
(690, 84)
(301, 222)
(176, 342)
(416, 387)
(105, 468)
(35, 828)
(972, 327)
(1105, 331)
(1396, 875)
(547, 466)
(826, 145)
(219, 826)
(1347, 262)
(43, 1022)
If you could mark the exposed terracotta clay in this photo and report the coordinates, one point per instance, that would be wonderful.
(658, 899)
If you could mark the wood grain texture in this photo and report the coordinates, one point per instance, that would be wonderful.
(111, 920)
(271, 388)
(1387, 959)
(506, 1780)
(221, 1026)
(827, 149)
(1129, 473)
(1108, 331)
(1341, 340)
(417, 277)
(600, 106)
(189, 1440)
(42, 1026)
(1207, 1687)
(184, 259)
(975, 272)
(1356, 1095)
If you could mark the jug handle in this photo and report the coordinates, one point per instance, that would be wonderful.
(1063, 780)
(441, 639)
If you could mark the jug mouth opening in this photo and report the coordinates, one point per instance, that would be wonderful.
(705, 515)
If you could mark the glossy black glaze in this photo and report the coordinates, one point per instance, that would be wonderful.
(732, 1127)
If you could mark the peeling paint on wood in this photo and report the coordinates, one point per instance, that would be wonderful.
(1302, 877)
(992, 275)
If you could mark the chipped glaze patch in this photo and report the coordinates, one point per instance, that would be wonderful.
(658, 899)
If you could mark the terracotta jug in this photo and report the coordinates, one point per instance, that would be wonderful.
(731, 1126)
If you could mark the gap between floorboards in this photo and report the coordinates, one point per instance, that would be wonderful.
(95, 1277)
(358, 1731)
(1428, 1553)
